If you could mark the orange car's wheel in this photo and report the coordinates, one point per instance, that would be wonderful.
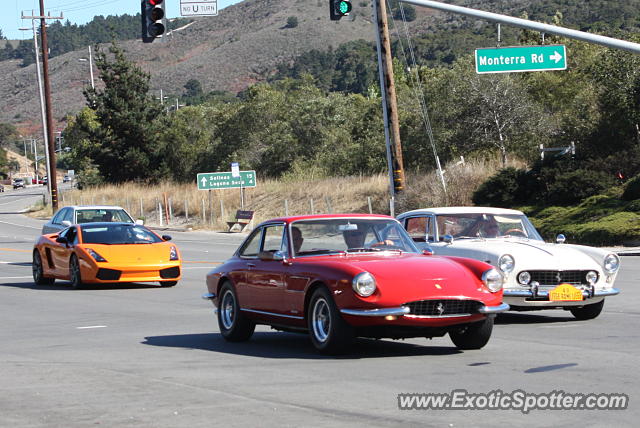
(329, 332)
(74, 272)
(234, 325)
(38, 272)
(473, 336)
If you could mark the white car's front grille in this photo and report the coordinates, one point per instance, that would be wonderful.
(555, 277)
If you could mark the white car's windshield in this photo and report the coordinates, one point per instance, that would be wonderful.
(486, 226)
(327, 236)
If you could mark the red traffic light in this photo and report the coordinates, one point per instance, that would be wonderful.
(155, 2)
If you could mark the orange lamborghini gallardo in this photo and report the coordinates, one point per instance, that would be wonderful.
(96, 253)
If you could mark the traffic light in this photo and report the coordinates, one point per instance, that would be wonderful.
(338, 9)
(153, 19)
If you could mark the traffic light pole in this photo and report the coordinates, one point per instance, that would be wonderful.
(389, 103)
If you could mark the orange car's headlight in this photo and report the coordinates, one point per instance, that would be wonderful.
(173, 253)
(97, 257)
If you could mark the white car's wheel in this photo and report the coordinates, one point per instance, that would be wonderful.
(588, 312)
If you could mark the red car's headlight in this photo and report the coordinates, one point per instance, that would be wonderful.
(97, 257)
(364, 284)
(173, 253)
(493, 280)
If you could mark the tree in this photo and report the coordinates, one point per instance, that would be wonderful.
(292, 22)
(8, 134)
(193, 88)
(128, 117)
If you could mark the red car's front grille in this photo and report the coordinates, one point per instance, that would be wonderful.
(443, 307)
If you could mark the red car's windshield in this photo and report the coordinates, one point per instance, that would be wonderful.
(325, 236)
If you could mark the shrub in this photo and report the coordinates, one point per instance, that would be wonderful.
(292, 22)
(572, 187)
(632, 189)
(502, 189)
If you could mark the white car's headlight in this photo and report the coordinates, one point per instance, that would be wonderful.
(506, 263)
(611, 263)
(524, 278)
(364, 284)
(493, 280)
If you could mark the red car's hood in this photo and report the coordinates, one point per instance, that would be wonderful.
(408, 277)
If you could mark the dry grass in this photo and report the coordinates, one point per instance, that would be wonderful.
(275, 198)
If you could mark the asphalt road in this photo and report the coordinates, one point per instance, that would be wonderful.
(144, 356)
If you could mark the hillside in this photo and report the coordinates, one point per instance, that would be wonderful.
(227, 52)
(246, 41)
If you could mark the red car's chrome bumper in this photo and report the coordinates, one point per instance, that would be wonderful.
(404, 310)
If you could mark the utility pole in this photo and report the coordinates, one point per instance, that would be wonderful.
(389, 103)
(47, 98)
(91, 68)
(42, 108)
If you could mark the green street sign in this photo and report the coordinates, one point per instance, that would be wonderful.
(517, 59)
(225, 180)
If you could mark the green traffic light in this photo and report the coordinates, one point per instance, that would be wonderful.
(344, 7)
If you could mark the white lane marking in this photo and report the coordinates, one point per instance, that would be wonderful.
(91, 326)
(562, 326)
(14, 277)
(20, 225)
(197, 267)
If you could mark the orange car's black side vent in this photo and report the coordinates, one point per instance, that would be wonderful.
(49, 258)
(108, 274)
(172, 272)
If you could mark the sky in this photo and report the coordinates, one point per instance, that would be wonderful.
(76, 11)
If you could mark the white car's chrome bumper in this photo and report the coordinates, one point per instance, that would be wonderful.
(545, 293)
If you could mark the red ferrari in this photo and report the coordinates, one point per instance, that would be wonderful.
(343, 276)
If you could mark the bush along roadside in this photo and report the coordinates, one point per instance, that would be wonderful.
(601, 220)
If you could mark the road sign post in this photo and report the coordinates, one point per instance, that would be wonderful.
(517, 59)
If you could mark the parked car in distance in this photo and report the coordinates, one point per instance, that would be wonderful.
(97, 253)
(66, 179)
(1, 188)
(538, 275)
(18, 183)
(78, 214)
(337, 277)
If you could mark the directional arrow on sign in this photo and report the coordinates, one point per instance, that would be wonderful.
(556, 56)
(203, 181)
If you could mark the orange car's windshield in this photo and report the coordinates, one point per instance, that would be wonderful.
(112, 234)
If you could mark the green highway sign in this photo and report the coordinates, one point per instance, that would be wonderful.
(521, 58)
(225, 180)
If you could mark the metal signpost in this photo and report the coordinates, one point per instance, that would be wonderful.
(198, 7)
(521, 58)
